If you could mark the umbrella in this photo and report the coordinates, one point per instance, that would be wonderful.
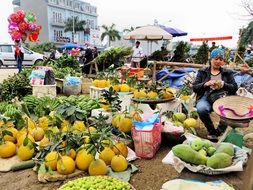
(174, 31)
(148, 33)
(71, 45)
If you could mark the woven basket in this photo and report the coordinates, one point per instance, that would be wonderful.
(85, 85)
(107, 177)
(234, 104)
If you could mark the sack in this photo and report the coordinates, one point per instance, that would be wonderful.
(215, 95)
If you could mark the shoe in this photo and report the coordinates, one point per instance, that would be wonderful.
(212, 138)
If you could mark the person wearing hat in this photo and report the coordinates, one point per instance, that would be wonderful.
(211, 83)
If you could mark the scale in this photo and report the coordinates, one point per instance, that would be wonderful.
(236, 112)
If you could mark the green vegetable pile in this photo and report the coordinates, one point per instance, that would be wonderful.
(96, 183)
(202, 152)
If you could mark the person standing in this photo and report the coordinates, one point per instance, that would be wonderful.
(19, 55)
(210, 84)
(137, 55)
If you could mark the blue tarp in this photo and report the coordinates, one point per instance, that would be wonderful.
(176, 78)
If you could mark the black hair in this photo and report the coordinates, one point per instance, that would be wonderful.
(137, 42)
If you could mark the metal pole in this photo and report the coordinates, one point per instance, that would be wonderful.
(73, 31)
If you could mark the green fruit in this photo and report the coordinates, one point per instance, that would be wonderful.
(178, 123)
(190, 123)
(219, 160)
(203, 152)
(207, 143)
(197, 144)
(179, 117)
(210, 151)
(187, 154)
(226, 148)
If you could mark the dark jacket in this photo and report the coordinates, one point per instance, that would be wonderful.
(204, 75)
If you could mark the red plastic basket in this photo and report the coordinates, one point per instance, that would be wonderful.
(139, 72)
(146, 143)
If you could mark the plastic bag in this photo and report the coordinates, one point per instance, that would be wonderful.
(72, 81)
(180, 184)
(148, 121)
(40, 74)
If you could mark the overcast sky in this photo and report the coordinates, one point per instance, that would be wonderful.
(200, 18)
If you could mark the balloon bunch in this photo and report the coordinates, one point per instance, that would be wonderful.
(75, 52)
(23, 25)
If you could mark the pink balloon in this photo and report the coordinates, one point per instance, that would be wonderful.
(12, 26)
(32, 26)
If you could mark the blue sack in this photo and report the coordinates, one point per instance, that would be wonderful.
(72, 81)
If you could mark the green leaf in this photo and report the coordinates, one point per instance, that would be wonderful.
(42, 169)
(26, 141)
(6, 132)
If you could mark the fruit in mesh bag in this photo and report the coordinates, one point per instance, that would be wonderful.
(96, 183)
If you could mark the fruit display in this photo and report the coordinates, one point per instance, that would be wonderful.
(181, 119)
(96, 183)
(204, 152)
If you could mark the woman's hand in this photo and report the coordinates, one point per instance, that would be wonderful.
(209, 83)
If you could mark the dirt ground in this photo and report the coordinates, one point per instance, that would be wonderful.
(151, 175)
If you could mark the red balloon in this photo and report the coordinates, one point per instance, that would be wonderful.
(16, 35)
(14, 17)
(33, 37)
(23, 26)
(21, 14)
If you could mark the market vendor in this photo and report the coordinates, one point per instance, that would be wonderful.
(210, 84)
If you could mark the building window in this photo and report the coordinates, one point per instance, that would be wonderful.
(92, 24)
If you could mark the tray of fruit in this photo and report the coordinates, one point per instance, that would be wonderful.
(152, 101)
(97, 183)
(202, 156)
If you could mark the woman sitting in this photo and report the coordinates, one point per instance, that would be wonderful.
(210, 84)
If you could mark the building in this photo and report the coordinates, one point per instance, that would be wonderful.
(51, 15)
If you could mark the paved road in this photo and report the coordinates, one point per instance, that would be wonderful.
(4, 73)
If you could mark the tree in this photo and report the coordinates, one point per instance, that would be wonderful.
(73, 24)
(111, 33)
(202, 54)
(247, 35)
(180, 53)
(129, 29)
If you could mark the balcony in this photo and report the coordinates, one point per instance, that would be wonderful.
(59, 24)
(16, 2)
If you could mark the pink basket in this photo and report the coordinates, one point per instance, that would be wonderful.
(146, 143)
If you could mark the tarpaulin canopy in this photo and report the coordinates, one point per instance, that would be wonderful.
(212, 38)
(174, 31)
(72, 45)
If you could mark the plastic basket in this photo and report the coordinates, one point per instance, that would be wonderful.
(146, 143)
(96, 92)
(44, 90)
(139, 72)
(72, 90)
